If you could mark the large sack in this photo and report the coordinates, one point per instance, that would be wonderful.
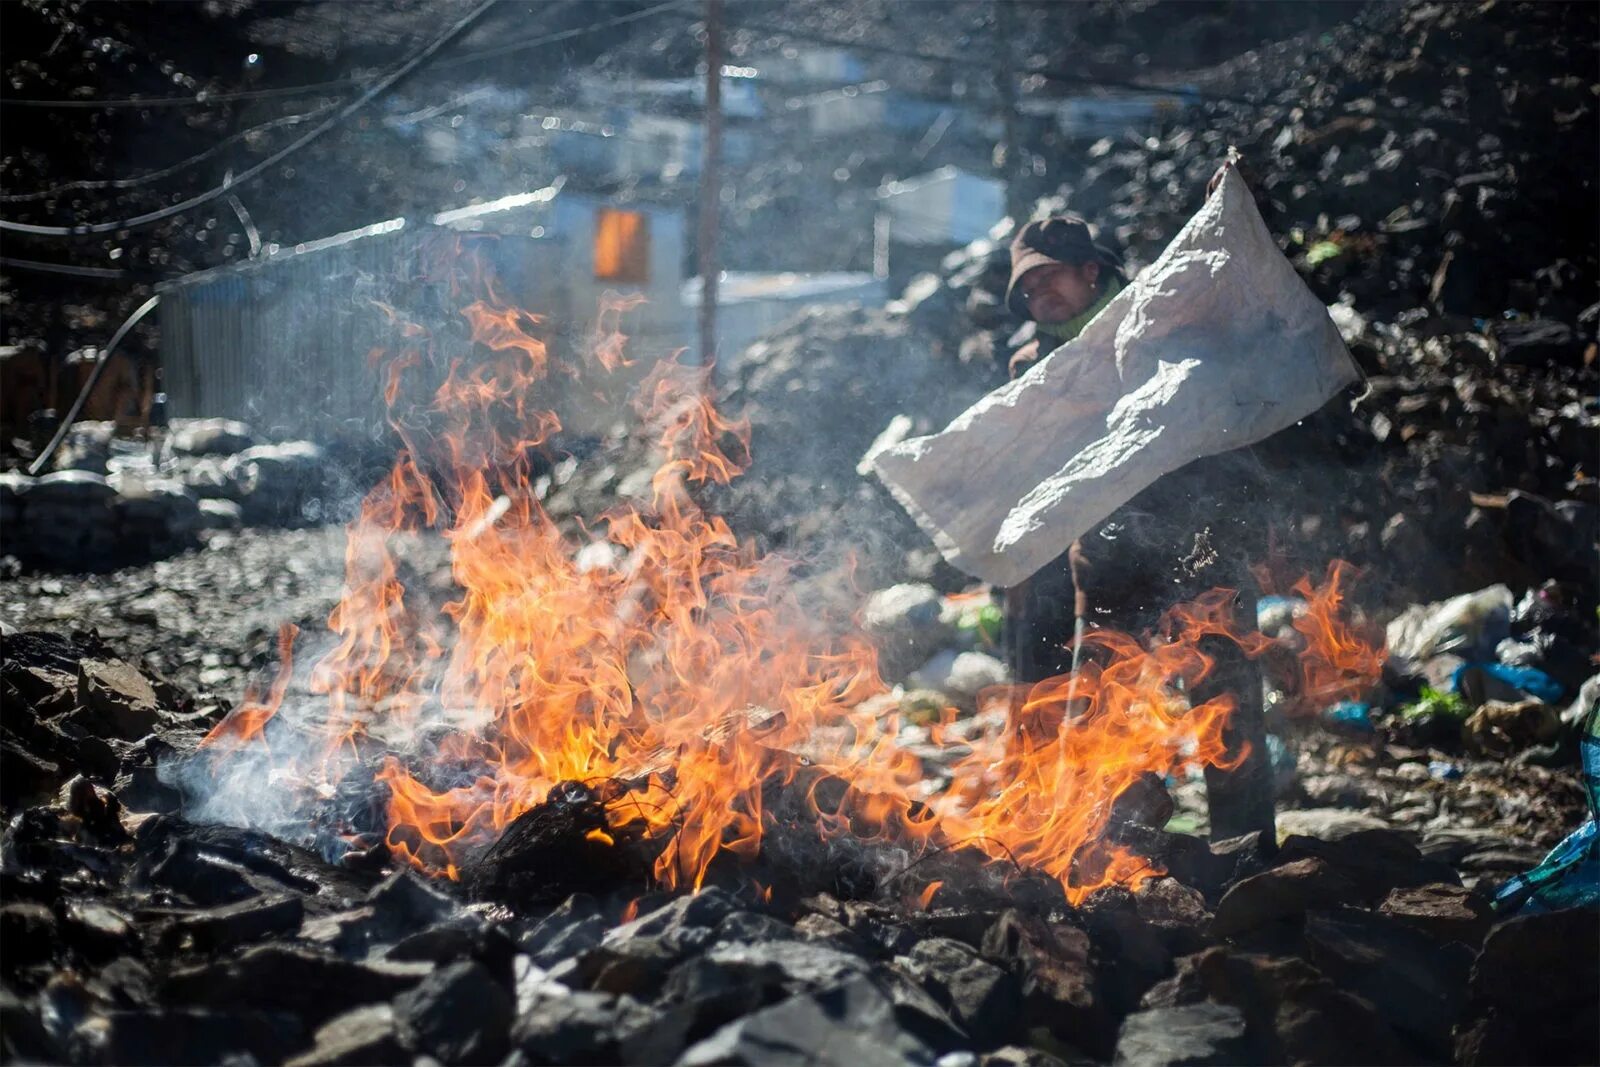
(1217, 345)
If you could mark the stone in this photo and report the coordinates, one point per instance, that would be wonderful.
(1193, 1035)
(217, 514)
(980, 997)
(29, 933)
(209, 437)
(905, 622)
(228, 925)
(1169, 900)
(1532, 992)
(1057, 978)
(119, 697)
(310, 985)
(162, 1036)
(1327, 824)
(1375, 860)
(573, 928)
(364, 1037)
(1442, 911)
(1293, 1014)
(1284, 892)
(468, 937)
(407, 897)
(796, 966)
(960, 675)
(458, 1014)
(853, 1025)
(1502, 729)
(1417, 985)
(582, 1027)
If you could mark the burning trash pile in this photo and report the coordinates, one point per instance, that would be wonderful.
(619, 791)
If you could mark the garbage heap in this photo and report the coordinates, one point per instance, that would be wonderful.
(1411, 164)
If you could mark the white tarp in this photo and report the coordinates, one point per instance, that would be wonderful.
(1215, 346)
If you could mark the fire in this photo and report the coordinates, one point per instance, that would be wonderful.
(661, 651)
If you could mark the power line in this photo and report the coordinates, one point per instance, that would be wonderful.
(206, 98)
(38, 267)
(461, 26)
(156, 175)
(203, 98)
(149, 217)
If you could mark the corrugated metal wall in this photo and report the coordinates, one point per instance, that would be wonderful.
(283, 343)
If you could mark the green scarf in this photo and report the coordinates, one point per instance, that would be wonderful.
(1063, 332)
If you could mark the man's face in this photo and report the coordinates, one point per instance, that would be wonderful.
(1058, 292)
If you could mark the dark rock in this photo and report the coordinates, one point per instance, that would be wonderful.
(119, 698)
(1169, 900)
(23, 1036)
(25, 775)
(980, 997)
(97, 930)
(365, 1037)
(181, 1036)
(546, 853)
(1375, 860)
(1293, 1013)
(28, 932)
(795, 966)
(1194, 1035)
(235, 924)
(458, 1014)
(1052, 962)
(854, 1025)
(753, 926)
(711, 995)
(634, 958)
(468, 937)
(1443, 912)
(406, 897)
(1144, 803)
(1285, 892)
(289, 978)
(1130, 954)
(1532, 993)
(574, 927)
(1537, 342)
(1416, 984)
(597, 1028)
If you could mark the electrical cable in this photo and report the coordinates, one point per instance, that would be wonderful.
(88, 386)
(461, 26)
(38, 267)
(207, 99)
(157, 175)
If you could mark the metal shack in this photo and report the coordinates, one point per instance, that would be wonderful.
(283, 341)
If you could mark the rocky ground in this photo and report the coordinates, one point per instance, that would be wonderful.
(1411, 162)
(135, 936)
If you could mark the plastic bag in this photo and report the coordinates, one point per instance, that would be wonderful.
(1217, 345)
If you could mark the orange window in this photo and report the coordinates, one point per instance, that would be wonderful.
(621, 247)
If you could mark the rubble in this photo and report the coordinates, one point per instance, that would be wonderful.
(1355, 947)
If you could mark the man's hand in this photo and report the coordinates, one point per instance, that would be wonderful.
(1023, 358)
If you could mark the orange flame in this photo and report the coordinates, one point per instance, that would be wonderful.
(687, 667)
(248, 722)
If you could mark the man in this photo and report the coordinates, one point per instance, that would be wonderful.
(1189, 532)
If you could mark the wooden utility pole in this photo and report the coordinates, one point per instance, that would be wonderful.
(1008, 153)
(710, 183)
